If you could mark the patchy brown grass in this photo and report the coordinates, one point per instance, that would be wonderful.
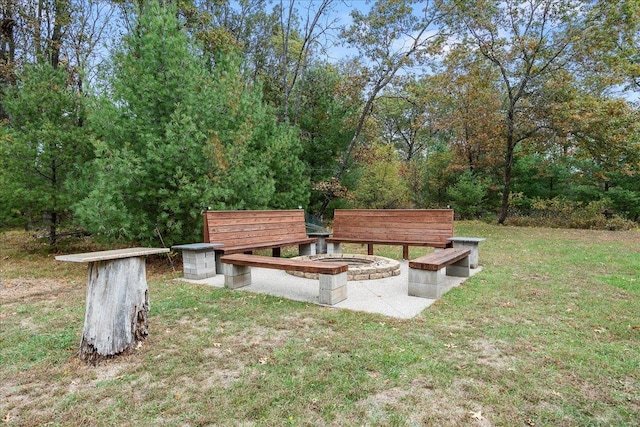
(547, 334)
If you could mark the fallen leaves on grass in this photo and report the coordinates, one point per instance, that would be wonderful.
(476, 415)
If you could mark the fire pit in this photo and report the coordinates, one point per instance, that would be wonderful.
(361, 267)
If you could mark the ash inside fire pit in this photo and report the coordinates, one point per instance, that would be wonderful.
(361, 267)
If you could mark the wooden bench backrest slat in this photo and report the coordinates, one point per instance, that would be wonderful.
(233, 228)
(410, 225)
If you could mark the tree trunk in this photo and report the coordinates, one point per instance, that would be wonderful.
(347, 156)
(53, 228)
(117, 306)
(7, 55)
(504, 209)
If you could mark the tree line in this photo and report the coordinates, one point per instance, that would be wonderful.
(126, 119)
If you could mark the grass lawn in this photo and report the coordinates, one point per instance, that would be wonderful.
(548, 334)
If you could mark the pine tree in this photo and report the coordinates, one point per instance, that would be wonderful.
(44, 148)
(176, 135)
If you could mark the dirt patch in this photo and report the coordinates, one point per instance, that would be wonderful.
(424, 404)
(12, 290)
(109, 370)
(490, 354)
(262, 338)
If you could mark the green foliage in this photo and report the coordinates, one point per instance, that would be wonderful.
(258, 159)
(181, 122)
(176, 137)
(429, 176)
(106, 210)
(9, 215)
(151, 161)
(292, 184)
(380, 185)
(43, 147)
(562, 212)
(538, 176)
(625, 203)
(614, 38)
(324, 122)
(467, 195)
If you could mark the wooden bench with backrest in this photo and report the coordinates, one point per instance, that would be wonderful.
(405, 227)
(333, 276)
(248, 231)
(427, 273)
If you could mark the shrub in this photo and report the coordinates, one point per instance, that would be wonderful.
(625, 202)
(466, 196)
(561, 212)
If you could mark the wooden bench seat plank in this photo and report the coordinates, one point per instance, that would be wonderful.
(251, 246)
(438, 260)
(373, 229)
(261, 214)
(403, 223)
(236, 239)
(232, 226)
(275, 240)
(285, 264)
(395, 242)
(416, 213)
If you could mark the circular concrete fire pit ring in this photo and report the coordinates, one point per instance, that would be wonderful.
(361, 267)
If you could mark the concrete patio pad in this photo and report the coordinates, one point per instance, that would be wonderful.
(384, 296)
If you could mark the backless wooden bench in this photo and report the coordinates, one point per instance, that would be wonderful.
(333, 276)
(427, 273)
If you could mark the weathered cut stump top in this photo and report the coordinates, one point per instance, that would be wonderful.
(111, 255)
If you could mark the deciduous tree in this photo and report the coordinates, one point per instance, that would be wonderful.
(390, 37)
(407, 116)
(527, 41)
(468, 106)
(380, 184)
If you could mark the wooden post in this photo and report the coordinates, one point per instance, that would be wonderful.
(117, 301)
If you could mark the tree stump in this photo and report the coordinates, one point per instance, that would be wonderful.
(117, 302)
(117, 306)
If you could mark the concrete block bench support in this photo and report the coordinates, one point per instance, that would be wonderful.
(321, 244)
(198, 260)
(334, 248)
(427, 273)
(332, 276)
(117, 301)
(470, 243)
